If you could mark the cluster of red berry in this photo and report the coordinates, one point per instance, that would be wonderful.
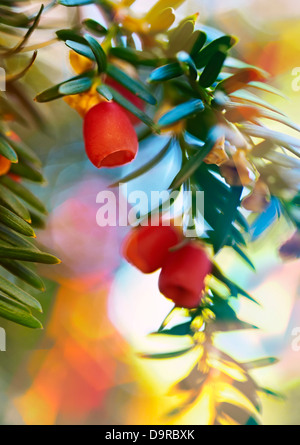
(111, 141)
(184, 264)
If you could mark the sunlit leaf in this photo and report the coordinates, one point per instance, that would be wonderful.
(212, 69)
(166, 72)
(25, 254)
(23, 273)
(75, 86)
(261, 363)
(98, 52)
(166, 355)
(13, 311)
(71, 35)
(95, 27)
(104, 91)
(75, 2)
(23, 193)
(18, 294)
(195, 161)
(10, 200)
(15, 222)
(133, 85)
(29, 171)
(144, 168)
(82, 49)
(132, 108)
(7, 151)
(221, 44)
(182, 111)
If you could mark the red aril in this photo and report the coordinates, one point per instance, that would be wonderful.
(110, 139)
(183, 274)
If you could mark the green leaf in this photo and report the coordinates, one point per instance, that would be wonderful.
(18, 294)
(241, 220)
(185, 59)
(13, 203)
(144, 168)
(212, 69)
(70, 34)
(15, 239)
(7, 151)
(28, 171)
(75, 2)
(271, 393)
(75, 86)
(23, 193)
(98, 52)
(221, 44)
(104, 91)
(262, 363)
(166, 72)
(95, 27)
(37, 220)
(137, 58)
(166, 355)
(23, 273)
(198, 45)
(239, 80)
(244, 256)
(180, 330)
(12, 18)
(238, 413)
(23, 150)
(226, 319)
(267, 88)
(25, 254)
(234, 288)
(232, 62)
(133, 85)
(82, 49)
(223, 226)
(49, 94)
(243, 96)
(27, 36)
(132, 108)
(15, 222)
(182, 111)
(195, 161)
(53, 92)
(17, 313)
(179, 37)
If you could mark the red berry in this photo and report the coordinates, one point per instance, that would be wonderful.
(110, 139)
(129, 96)
(182, 275)
(146, 247)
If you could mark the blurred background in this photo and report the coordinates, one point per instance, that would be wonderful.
(83, 367)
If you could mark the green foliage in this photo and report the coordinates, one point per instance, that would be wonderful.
(193, 87)
(17, 202)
